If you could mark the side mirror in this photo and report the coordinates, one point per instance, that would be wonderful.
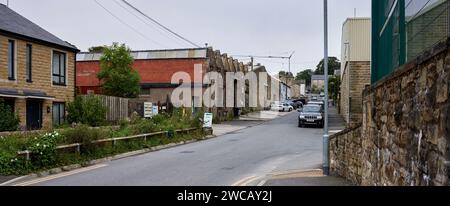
(300, 110)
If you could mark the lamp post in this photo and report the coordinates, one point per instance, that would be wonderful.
(326, 161)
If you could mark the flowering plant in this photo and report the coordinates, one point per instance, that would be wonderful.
(43, 149)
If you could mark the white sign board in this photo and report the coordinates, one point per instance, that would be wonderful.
(208, 120)
(148, 110)
(155, 110)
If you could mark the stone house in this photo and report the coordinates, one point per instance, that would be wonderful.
(317, 82)
(355, 67)
(37, 71)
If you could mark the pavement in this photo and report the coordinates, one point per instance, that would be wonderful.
(274, 151)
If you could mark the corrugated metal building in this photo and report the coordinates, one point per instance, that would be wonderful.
(355, 69)
(156, 68)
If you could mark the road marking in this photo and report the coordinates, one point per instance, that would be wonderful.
(262, 183)
(45, 179)
(13, 180)
(244, 181)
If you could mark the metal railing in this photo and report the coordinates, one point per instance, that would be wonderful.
(77, 146)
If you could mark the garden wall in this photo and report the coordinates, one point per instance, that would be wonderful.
(404, 137)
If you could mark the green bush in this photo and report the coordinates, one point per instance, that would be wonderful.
(44, 149)
(9, 120)
(84, 135)
(144, 127)
(87, 110)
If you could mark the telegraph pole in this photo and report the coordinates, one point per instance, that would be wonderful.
(326, 161)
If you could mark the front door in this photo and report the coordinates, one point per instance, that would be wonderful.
(34, 115)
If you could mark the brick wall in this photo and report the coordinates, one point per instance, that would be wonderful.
(405, 133)
(41, 76)
(355, 78)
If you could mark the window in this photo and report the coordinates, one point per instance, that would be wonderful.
(59, 113)
(29, 59)
(59, 68)
(11, 60)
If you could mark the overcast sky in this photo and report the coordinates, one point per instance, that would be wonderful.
(236, 27)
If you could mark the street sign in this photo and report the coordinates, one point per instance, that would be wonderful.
(148, 109)
(155, 110)
(208, 120)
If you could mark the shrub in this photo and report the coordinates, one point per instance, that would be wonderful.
(87, 110)
(85, 135)
(144, 127)
(9, 120)
(44, 149)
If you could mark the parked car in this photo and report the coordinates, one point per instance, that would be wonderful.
(298, 103)
(320, 103)
(295, 104)
(311, 114)
(281, 107)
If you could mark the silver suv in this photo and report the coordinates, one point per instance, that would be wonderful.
(311, 114)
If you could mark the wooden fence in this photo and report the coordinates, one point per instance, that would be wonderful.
(116, 108)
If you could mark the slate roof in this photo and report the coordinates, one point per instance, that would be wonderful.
(12, 22)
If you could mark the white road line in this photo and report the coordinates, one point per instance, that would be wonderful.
(13, 180)
(244, 181)
(262, 183)
(45, 179)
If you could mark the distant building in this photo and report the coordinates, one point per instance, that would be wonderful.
(37, 71)
(156, 68)
(355, 67)
(317, 83)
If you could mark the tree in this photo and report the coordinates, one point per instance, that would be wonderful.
(97, 49)
(117, 75)
(333, 65)
(334, 87)
(286, 74)
(305, 76)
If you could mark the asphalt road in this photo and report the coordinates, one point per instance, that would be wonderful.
(274, 146)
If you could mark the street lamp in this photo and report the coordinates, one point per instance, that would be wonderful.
(326, 161)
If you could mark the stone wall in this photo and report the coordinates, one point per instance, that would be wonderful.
(344, 163)
(404, 137)
(355, 78)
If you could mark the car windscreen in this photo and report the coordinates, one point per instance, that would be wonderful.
(311, 109)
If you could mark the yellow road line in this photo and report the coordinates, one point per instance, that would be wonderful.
(44, 179)
(245, 181)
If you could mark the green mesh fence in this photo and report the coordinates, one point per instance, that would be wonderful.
(403, 29)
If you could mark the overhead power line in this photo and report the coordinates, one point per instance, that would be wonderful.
(177, 41)
(159, 24)
(129, 26)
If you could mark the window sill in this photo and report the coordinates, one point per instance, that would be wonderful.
(29, 81)
(60, 85)
(11, 79)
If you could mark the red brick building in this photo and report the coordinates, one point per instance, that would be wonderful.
(156, 69)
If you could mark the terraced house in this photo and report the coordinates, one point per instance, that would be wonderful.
(36, 71)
